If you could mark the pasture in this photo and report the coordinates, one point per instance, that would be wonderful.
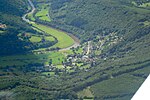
(49, 38)
(86, 93)
(30, 17)
(35, 39)
(25, 59)
(42, 13)
(64, 40)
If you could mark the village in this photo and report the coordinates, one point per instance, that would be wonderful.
(91, 52)
(74, 62)
(2, 27)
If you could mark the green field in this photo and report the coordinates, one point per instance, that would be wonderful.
(19, 60)
(50, 38)
(49, 73)
(63, 39)
(41, 0)
(77, 51)
(35, 39)
(30, 16)
(1, 31)
(42, 13)
(145, 5)
(85, 93)
(146, 23)
(107, 89)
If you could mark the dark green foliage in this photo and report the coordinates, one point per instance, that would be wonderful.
(85, 18)
(10, 15)
(117, 77)
(56, 4)
(14, 7)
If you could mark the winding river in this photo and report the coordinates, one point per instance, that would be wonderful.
(76, 40)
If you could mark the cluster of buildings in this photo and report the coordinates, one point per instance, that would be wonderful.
(3, 26)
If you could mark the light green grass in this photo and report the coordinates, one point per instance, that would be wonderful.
(19, 60)
(138, 10)
(85, 93)
(35, 39)
(30, 16)
(43, 13)
(1, 31)
(49, 73)
(60, 66)
(134, 3)
(79, 51)
(56, 57)
(50, 38)
(146, 23)
(36, 29)
(67, 52)
(85, 66)
(98, 52)
(79, 64)
(145, 5)
(41, 0)
(63, 39)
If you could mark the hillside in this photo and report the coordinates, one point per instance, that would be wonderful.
(10, 16)
(111, 62)
(16, 36)
(15, 7)
(126, 61)
(87, 19)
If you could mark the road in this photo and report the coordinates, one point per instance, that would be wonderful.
(31, 12)
(88, 48)
(76, 40)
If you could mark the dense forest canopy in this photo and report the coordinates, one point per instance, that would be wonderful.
(15, 7)
(90, 17)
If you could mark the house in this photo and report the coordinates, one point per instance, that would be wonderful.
(85, 57)
(3, 26)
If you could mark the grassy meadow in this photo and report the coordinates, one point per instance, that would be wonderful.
(42, 13)
(35, 39)
(30, 16)
(64, 40)
(20, 60)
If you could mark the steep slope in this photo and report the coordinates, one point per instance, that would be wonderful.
(123, 66)
(97, 17)
(15, 7)
(115, 74)
(10, 17)
(16, 34)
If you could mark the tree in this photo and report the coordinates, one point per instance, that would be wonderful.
(50, 62)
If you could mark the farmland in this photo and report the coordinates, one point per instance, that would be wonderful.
(30, 16)
(20, 60)
(64, 40)
(42, 12)
(35, 39)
